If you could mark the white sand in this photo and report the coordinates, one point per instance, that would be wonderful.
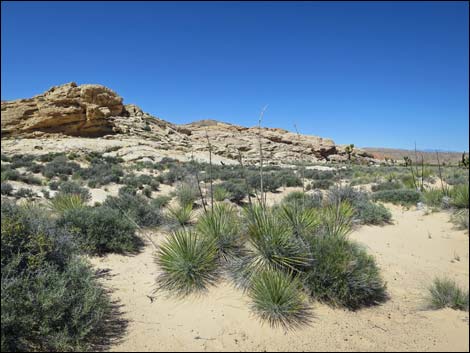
(410, 253)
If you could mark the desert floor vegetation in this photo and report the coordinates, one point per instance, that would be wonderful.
(286, 256)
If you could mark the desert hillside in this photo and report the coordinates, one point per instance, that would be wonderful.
(69, 115)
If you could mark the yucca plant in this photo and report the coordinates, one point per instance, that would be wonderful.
(301, 220)
(188, 263)
(277, 298)
(337, 219)
(64, 202)
(445, 293)
(272, 243)
(221, 225)
(180, 215)
(221, 194)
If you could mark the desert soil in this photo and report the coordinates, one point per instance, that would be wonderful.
(411, 252)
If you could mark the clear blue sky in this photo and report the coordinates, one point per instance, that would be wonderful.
(374, 74)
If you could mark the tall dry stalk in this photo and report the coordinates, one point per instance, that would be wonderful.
(263, 196)
(210, 170)
(445, 190)
(247, 185)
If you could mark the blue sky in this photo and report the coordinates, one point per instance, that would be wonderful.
(374, 74)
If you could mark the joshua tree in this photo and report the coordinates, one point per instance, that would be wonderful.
(407, 161)
(465, 161)
(349, 150)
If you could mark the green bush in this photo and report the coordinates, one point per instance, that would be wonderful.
(73, 188)
(372, 213)
(339, 194)
(323, 184)
(445, 293)
(188, 263)
(137, 208)
(6, 189)
(461, 219)
(306, 200)
(18, 161)
(160, 201)
(50, 299)
(187, 193)
(343, 274)
(24, 192)
(277, 298)
(140, 181)
(220, 194)
(433, 197)
(459, 195)
(101, 230)
(388, 185)
(102, 172)
(236, 189)
(400, 196)
(60, 167)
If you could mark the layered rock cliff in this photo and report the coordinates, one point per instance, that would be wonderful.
(96, 111)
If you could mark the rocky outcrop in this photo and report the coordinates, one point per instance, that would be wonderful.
(68, 109)
(96, 111)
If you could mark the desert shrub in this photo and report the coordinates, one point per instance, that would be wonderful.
(445, 293)
(319, 174)
(180, 215)
(407, 181)
(271, 181)
(73, 188)
(102, 172)
(64, 202)
(127, 190)
(400, 196)
(53, 310)
(237, 190)
(306, 200)
(30, 179)
(187, 193)
(388, 185)
(461, 219)
(48, 157)
(337, 219)
(288, 178)
(277, 298)
(60, 167)
(343, 274)
(6, 189)
(9, 174)
(50, 299)
(188, 263)
(433, 197)
(136, 208)
(222, 226)
(140, 181)
(372, 213)
(459, 195)
(220, 194)
(160, 201)
(24, 192)
(339, 194)
(5, 158)
(18, 161)
(100, 230)
(35, 168)
(323, 184)
(54, 185)
(147, 191)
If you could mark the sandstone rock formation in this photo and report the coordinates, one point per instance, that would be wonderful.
(96, 111)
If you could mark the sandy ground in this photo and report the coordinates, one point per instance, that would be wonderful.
(410, 253)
